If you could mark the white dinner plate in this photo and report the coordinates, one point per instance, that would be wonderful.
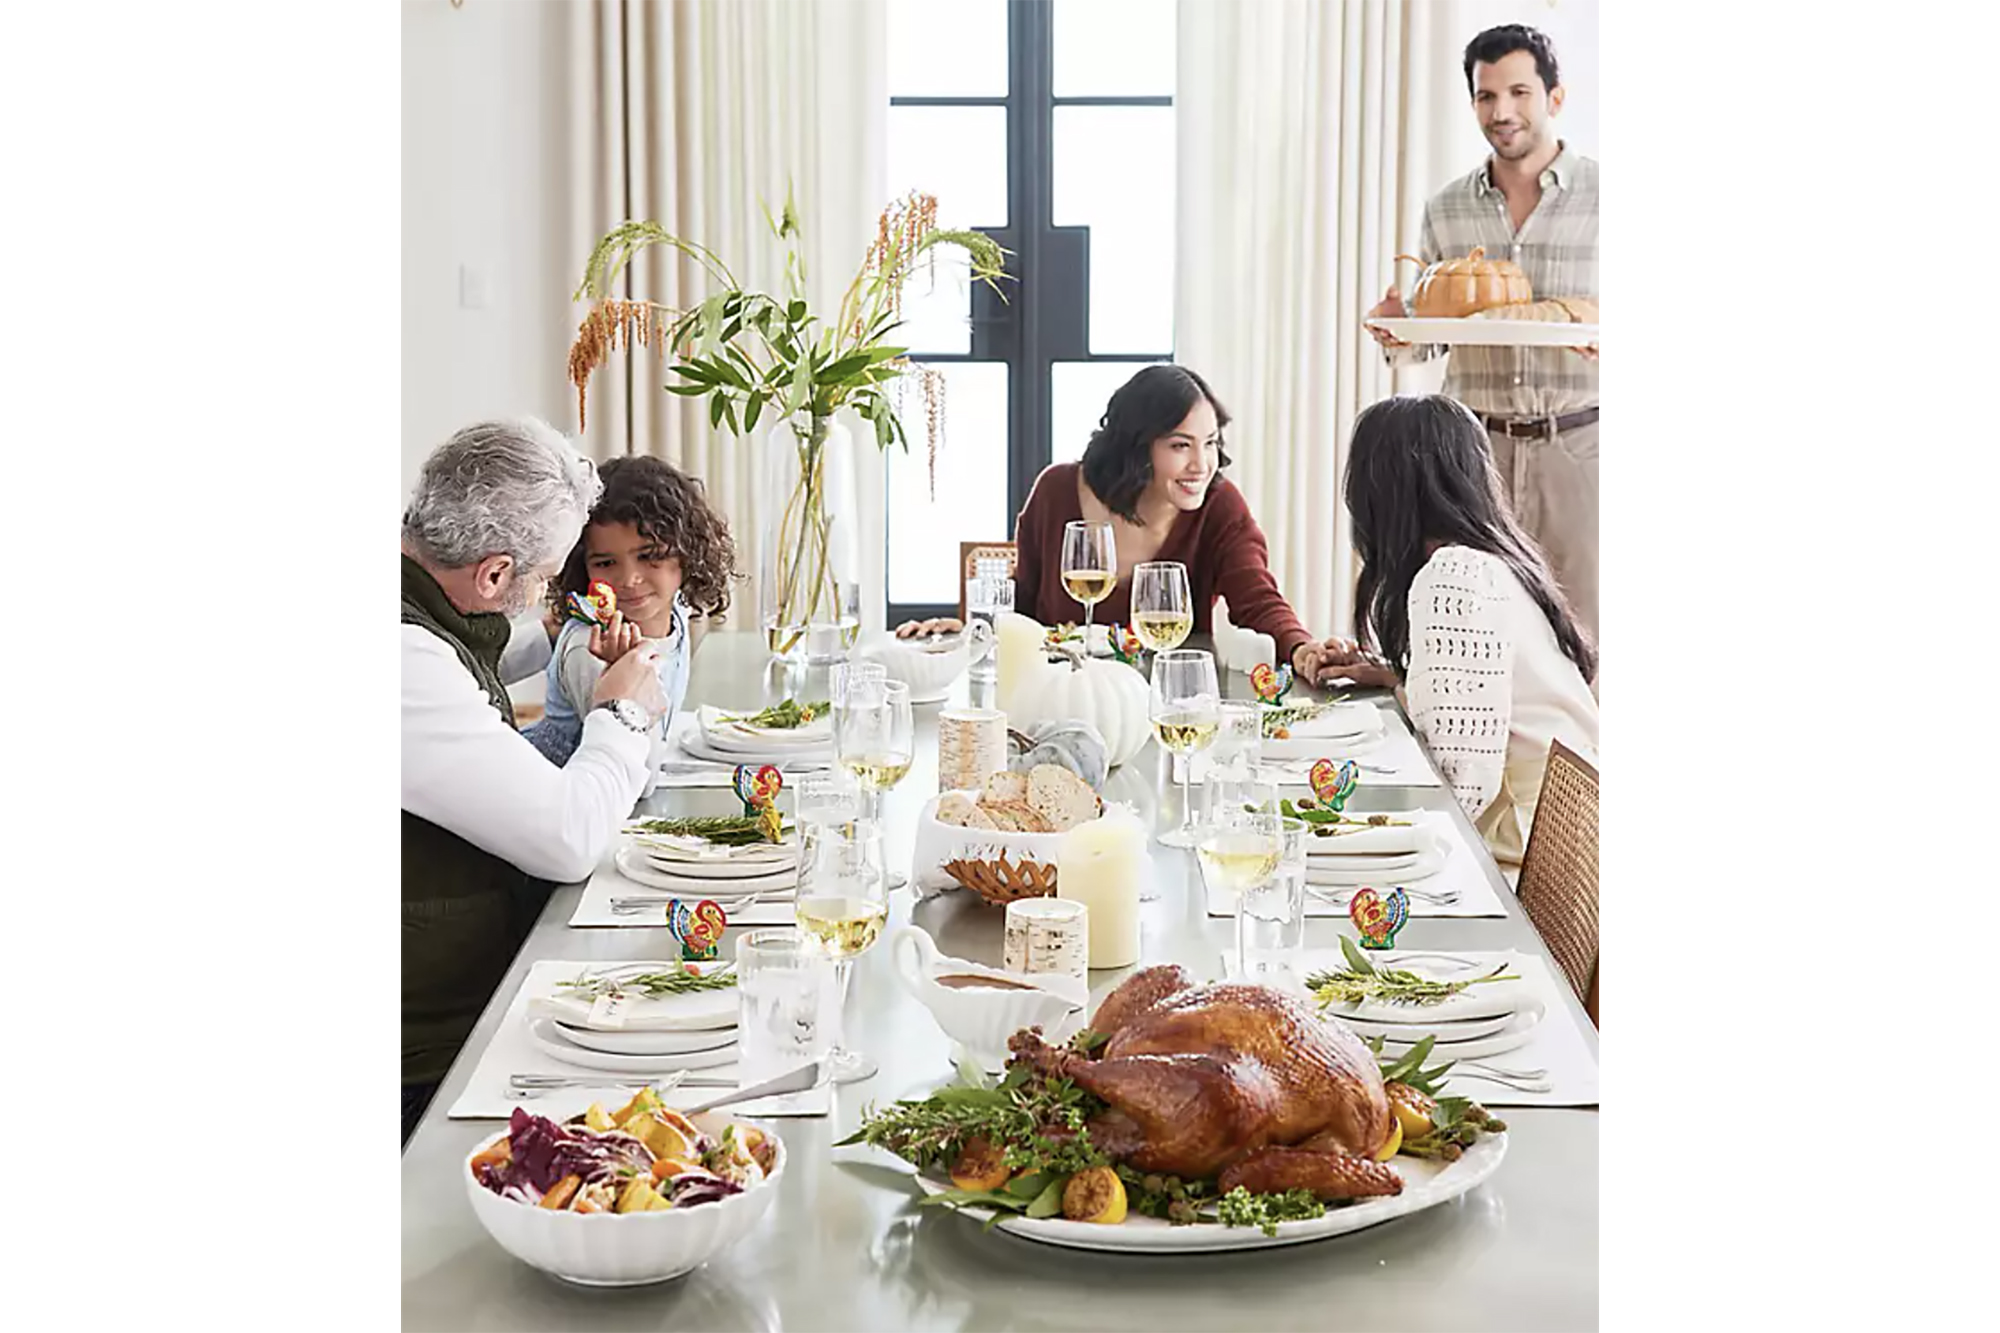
(1324, 872)
(634, 868)
(1298, 750)
(1425, 1185)
(1380, 863)
(546, 1035)
(676, 847)
(819, 756)
(736, 735)
(646, 1043)
(1448, 1034)
(1469, 332)
(695, 1011)
(1486, 999)
(1519, 1031)
(713, 867)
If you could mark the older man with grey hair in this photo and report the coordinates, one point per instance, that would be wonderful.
(485, 815)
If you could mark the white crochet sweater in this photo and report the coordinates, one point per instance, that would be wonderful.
(1488, 686)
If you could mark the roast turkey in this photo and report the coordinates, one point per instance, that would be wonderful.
(1238, 1081)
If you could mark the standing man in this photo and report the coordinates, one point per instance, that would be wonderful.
(1534, 201)
(487, 819)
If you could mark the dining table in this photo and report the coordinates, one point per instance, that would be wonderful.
(845, 1245)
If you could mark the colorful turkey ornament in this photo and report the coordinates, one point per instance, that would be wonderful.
(594, 608)
(1377, 919)
(758, 785)
(698, 927)
(1334, 785)
(1270, 683)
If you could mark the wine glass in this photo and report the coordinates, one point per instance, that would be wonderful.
(874, 738)
(1233, 759)
(1162, 606)
(1089, 568)
(1185, 713)
(843, 902)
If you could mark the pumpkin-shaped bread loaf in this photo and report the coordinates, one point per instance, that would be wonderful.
(1455, 288)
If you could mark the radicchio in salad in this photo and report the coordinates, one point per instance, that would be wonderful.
(570, 1167)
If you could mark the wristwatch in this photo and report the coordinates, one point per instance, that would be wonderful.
(627, 712)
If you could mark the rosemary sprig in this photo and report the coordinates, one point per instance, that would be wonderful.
(652, 985)
(722, 830)
(783, 717)
(1361, 980)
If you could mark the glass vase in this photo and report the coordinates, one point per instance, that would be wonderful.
(808, 553)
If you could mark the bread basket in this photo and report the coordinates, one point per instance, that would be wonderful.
(1000, 866)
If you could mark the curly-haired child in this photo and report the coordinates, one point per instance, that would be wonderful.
(665, 553)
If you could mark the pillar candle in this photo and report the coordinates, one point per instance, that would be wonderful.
(1102, 864)
(1020, 652)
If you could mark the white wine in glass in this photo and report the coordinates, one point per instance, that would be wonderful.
(1235, 858)
(874, 738)
(1162, 606)
(1089, 567)
(1186, 713)
(844, 925)
(877, 772)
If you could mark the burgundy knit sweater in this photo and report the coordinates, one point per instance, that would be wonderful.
(1220, 543)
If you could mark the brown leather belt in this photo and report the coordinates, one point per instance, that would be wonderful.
(1518, 427)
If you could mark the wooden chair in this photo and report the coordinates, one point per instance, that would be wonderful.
(971, 552)
(1558, 886)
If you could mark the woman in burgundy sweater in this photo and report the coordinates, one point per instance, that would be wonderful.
(1151, 471)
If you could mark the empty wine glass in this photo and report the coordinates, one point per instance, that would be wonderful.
(1185, 715)
(1089, 567)
(843, 902)
(1162, 605)
(874, 738)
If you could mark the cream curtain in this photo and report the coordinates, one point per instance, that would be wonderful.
(1306, 138)
(694, 113)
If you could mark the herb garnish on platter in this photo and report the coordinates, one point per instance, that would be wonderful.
(783, 717)
(1361, 981)
(1449, 1125)
(682, 980)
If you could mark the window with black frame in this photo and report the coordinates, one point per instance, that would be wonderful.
(1049, 125)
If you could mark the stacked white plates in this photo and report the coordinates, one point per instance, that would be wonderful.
(640, 1035)
(1383, 857)
(735, 742)
(680, 867)
(1481, 1020)
(1341, 731)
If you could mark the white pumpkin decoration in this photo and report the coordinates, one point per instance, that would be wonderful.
(1110, 696)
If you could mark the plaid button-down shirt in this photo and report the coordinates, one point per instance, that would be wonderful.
(1557, 248)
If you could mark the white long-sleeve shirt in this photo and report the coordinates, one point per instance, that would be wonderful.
(466, 770)
(1488, 684)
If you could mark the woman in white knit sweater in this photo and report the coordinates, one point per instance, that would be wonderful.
(1458, 597)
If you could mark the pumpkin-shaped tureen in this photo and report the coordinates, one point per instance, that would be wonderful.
(1455, 288)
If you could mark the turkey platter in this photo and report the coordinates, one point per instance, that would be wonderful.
(1191, 1117)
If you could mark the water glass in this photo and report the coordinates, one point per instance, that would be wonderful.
(1271, 918)
(785, 1004)
(988, 592)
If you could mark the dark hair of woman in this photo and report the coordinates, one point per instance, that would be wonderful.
(1491, 46)
(1118, 461)
(1420, 470)
(669, 507)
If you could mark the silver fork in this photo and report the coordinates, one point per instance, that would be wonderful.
(1517, 1084)
(526, 1087)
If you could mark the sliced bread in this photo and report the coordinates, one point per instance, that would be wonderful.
(1060, 797)
(1005, 786)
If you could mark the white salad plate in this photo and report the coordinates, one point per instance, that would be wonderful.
(1485, 999)
(818, 756)
(646, 1043)
(1450, 1033)
(1425, 1185)
(740, 735)
(749, 867)
(1519, 1031)
(635, 868)
(1301, 753)
(546, 1035)
(1376, 862)
(700, 851)
(695, 1011)
(1468, 332)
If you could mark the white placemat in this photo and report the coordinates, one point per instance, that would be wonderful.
(1463, 870)
(593, 907)
(1398, 761)
(1556, 1046)
(511, 1052)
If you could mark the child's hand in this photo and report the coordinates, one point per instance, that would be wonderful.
(610, 642)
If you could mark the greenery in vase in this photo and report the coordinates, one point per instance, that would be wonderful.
(750, 353)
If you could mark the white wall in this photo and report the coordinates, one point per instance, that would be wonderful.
(482, 131)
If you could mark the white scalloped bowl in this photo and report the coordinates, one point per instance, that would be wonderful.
(928, 673)
(625, 1249)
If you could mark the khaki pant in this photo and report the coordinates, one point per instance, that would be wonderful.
(1552, 485)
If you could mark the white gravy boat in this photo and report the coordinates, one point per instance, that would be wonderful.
(982, 1017)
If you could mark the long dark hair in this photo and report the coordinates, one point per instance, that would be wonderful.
(667, 506)
(1420, 470)
(1118, 461)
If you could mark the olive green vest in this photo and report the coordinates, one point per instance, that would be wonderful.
(465, 911)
